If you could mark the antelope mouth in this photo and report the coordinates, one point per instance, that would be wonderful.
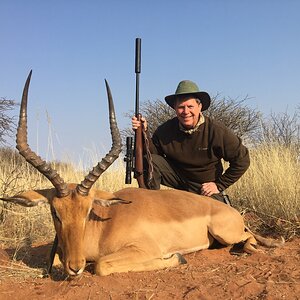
(75, 270)
(74, 274)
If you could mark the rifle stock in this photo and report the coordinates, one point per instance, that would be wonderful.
(139, 156)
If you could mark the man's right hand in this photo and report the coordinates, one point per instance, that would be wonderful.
(209, 188)
(136, 124)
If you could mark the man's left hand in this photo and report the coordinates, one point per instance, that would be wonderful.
(209, 188)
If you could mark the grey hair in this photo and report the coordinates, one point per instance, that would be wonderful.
(198, 100)
(181, 98)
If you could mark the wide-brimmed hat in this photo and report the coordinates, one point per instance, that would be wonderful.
(187, 87)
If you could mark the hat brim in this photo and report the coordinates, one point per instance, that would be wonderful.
(203, 97)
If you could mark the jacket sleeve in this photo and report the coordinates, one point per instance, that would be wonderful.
(233, 151)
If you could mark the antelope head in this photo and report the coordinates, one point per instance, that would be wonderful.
(70, 203)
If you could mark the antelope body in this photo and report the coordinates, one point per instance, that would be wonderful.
(132, 229)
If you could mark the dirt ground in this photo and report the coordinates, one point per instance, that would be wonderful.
(220, 273)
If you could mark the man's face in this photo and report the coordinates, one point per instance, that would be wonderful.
(188, 111)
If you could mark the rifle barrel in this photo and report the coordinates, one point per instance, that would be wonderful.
(138, 42)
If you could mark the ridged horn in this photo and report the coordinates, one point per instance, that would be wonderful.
(84, 187)
(31, 157)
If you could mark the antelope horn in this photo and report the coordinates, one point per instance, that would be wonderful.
(84, 187)
(29, 155)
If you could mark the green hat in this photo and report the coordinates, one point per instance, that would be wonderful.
(187, 87)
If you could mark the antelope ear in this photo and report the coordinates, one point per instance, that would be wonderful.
(110, 202)
(107, 199)
(31, 198)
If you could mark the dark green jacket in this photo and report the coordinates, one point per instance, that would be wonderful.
(197, 156)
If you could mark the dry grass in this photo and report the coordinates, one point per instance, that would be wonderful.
(270, 187)
(17, 269)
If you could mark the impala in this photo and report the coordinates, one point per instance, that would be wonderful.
(132, 229)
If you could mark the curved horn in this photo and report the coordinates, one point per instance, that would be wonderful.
(84, 187)
(29, 155)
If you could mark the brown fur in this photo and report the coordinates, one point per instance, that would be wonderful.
(148, 230)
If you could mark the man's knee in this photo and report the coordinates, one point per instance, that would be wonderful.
(162, 172)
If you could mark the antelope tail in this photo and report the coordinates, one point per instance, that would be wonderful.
(267, 242)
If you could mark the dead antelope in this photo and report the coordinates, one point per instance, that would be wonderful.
(132, 229)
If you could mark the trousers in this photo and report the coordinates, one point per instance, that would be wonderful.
(166, 173)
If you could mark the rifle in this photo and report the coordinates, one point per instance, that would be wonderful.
(134, 154)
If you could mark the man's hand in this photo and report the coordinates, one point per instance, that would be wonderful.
(209, 188)
(136, 124)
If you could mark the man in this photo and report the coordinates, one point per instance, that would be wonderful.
(187, 150)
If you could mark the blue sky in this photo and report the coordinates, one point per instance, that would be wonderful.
(232, 48)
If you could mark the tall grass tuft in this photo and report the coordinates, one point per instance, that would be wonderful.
(271, 186)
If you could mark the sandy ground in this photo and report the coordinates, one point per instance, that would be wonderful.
(223, 273)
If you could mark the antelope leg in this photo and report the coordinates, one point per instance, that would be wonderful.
(131, 259)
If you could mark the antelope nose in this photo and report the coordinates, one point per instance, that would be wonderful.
(77, 267)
